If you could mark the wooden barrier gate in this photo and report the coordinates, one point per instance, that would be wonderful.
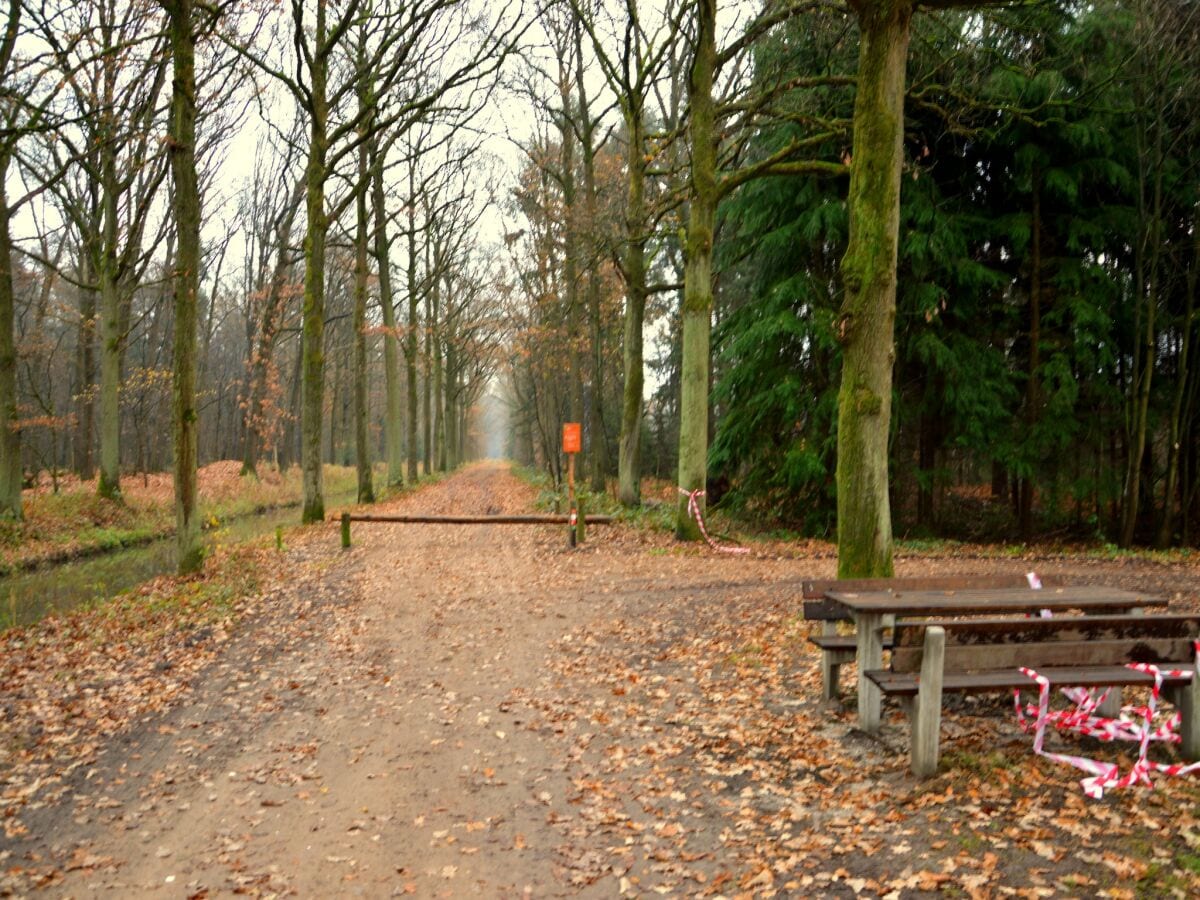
(576, 531)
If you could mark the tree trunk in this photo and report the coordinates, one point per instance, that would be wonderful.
(410, 337)
(697, 275)
(182, 151)
(10, 435)
(570, 227)
(1150, 285)
(451, 419)
(111, 336)
(927, 444)
(439, 387)
(598, 451)
(628, 463)
(85, 365)
(362, 447)
(313, 387)
(427, 374)
(868, 315)
(1032, 387)
(393, 415)
(1182, 380)
(261, 359)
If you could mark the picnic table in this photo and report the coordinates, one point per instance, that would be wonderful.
(870, 610)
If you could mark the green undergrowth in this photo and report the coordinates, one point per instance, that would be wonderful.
(1101, 551)
(652, 515)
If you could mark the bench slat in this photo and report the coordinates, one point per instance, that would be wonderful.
(906, 683)
(818, 588)
(970, 632)
(818, 608)
(1050, 654)
(841, 641)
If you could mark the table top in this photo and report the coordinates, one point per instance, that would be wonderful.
(1015, 600)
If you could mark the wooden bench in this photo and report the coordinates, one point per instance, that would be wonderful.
(934, 657)
(839, 649)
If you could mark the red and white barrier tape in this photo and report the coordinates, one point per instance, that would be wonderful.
(1106, 776)
(694, 512)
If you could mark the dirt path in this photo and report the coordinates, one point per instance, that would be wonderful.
(368, 746)
(472, 711)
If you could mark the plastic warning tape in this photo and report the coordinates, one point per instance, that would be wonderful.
(694, 512)
(1135, 723)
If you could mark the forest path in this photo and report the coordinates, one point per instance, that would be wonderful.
(372, 750)
(475, 711)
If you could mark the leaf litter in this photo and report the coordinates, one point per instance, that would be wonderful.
(443, 712)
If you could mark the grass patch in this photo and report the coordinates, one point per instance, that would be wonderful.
(978, 764)
(749, 656)
(917, 546)
(1160, 880)
(170, 605)
(654, 517)
(1189, 862)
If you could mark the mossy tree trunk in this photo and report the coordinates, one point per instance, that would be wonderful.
(362, 446)
(85, 355)
(866, 324)
(313, 388)
(697, 273)
(111, 335)
(10, 435)
(628, 463)
(186, 200)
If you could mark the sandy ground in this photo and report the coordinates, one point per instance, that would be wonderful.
(474, 711)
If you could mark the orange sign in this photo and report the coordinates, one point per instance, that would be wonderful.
(572, 437)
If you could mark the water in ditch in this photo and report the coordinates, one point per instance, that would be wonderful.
(28, 596)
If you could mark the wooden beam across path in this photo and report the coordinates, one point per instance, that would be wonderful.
(540, 519)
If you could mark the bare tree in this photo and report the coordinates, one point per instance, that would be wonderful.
(420, 55)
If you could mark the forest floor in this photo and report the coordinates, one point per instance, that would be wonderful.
(477, 711)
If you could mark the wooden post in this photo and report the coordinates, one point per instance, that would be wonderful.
(1111, 707)
(345, 530)
(572, 443)
(830, 664)
(870, 656)
(1188, 701)
(927, 714)
(571, 510)
(581, 522)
